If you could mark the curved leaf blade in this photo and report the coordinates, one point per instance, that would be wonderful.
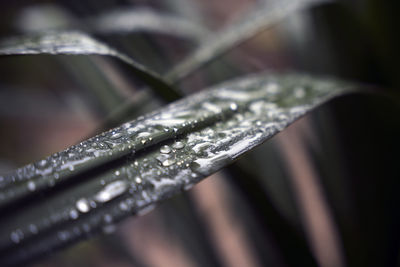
(144, 19)
(263, 16)
(98, 182)
(78, 43)
(41, 18)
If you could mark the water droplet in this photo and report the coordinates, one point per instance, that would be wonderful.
(272, 88)
(168, 162)
(299, 92)
(233, 106)
(117, 173)
(16, 236)
(178, 145)
(143, 134)
(165, 149)
(82, 205)
(138, 180)
(116, 135)
(111, 191)
(71, 167)
(127, 125)
(92, 204)
(103, 145)
(42, 163)
(73, 214)
(123, 206)
(33, 229)
(211, 107)
(31, 186)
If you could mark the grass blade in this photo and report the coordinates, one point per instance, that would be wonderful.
(261, 18)
(90, 186)
(145, 20)
(78, 43)
(40, 18)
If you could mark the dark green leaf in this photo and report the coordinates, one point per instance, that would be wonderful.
(77, 43)
(262, 17)
(41, 18)
(139, 20)
(98, 182)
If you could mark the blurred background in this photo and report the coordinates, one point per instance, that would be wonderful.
(324, 192)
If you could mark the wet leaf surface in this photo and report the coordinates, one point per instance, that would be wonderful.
(78, 43)
(127, 170)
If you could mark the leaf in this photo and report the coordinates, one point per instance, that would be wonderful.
(40, 18)
(262, 17)
(147, 20)
(77, 43)
(98, 182)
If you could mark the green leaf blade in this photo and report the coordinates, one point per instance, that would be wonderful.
(262, 17)
(144, 19)
(78, 43)
(174, 148)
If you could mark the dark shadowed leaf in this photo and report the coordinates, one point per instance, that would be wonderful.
(98, 182)
(145, 20)
(263, 16)
(41, 18)
(78, 43)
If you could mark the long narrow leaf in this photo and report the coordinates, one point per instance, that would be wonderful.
(40, 18)
(135, 20)
(261, 18)
(90, 186)
(77, 43)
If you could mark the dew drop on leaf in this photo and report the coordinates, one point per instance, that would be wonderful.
(272, 88)
(33, 229)
(73, 214)
(42, 163)
(168, 162)
(115, 135)
(165, 149)
(233, 106)
(31, 186)
(15, 236)
(111, 191)
(123, 206)
(82, 205)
